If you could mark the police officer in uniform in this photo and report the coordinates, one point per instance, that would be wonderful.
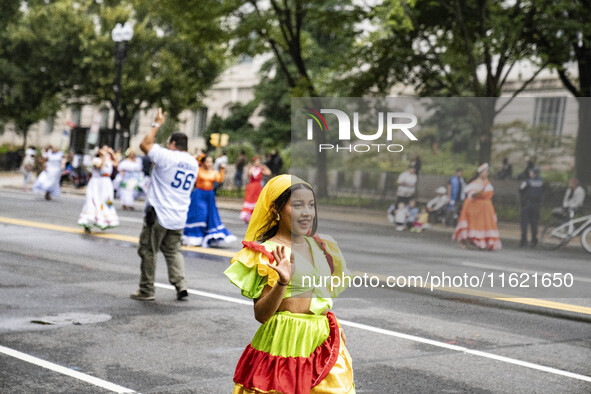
(531, 195)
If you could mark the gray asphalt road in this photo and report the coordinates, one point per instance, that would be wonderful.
(401, 340)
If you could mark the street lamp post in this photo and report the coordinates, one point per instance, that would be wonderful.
(121, 35)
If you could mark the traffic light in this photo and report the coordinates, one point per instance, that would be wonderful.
(214, 139)
(224, 140)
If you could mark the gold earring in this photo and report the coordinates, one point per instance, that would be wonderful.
(278, 217)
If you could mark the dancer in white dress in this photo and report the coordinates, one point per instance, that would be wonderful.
(130, 178)
(48, 181)
(98, 209)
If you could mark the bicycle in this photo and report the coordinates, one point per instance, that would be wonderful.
(559, 233)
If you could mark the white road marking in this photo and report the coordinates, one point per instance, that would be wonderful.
(31, 196)
(414, 338)
(119, 389)
(129, 219)
(207, 294)
(466, 350)
(65, 371)
(512, 269)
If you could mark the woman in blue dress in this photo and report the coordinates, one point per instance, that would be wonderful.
(204, 226)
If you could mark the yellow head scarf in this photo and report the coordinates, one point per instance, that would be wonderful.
(262, 211)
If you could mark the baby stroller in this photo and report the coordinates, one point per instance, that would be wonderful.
(439, 216)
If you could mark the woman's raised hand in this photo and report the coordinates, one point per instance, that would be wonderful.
(282, 264)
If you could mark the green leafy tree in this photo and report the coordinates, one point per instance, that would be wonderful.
(170, 63)
(537, 143)
(308, 38)
(37, 56)
(273, 96)
(561, 31)
(236, 125)
(447, 48)
(61, 51)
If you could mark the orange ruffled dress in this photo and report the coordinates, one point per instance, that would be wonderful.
(478, 221)
(293, 352)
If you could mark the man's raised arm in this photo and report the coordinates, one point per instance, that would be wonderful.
(148, 141)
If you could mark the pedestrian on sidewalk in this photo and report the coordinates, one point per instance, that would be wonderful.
(28, 166)
(98, 209)
(204, 226)
(240, 164)
(456, 194)
(413, 214)
(477, 224)
(398, 215)
(436, 207)
(275, 163)
(506, 171)
(300, 346)
(220, 161)
(530, 191)
(416, 163)
(422, 222)
(167, 203)
(524, 175)
(574, 197)
(407, 182)
(48, 182)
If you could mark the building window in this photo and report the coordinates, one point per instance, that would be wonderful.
(104, 118)
(245, 59)
(49, 123)
(135, 124)
(76, 114)
(199, 121)
(549, 111)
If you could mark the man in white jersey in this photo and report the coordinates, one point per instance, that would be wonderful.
(167, 204)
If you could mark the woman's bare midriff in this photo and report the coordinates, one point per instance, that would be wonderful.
(300, 304)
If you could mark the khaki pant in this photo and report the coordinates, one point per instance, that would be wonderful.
(152, 239)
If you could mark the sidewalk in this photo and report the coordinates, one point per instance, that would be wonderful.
(370, 216)
(508, 231)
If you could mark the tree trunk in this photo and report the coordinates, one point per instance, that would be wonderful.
(25, 132)
(321, 177)
(583, 144)
(486, 105)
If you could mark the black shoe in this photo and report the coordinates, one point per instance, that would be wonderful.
(180, 295)
(534, 243)
(522, 244)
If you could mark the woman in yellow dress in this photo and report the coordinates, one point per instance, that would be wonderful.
(287, 269)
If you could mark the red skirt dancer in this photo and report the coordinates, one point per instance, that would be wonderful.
(314, 361)
(251, 194)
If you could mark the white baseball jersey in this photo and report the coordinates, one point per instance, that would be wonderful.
(173, 177)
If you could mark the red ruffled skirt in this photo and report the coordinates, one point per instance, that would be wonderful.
(295, 353)
(251, 195)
